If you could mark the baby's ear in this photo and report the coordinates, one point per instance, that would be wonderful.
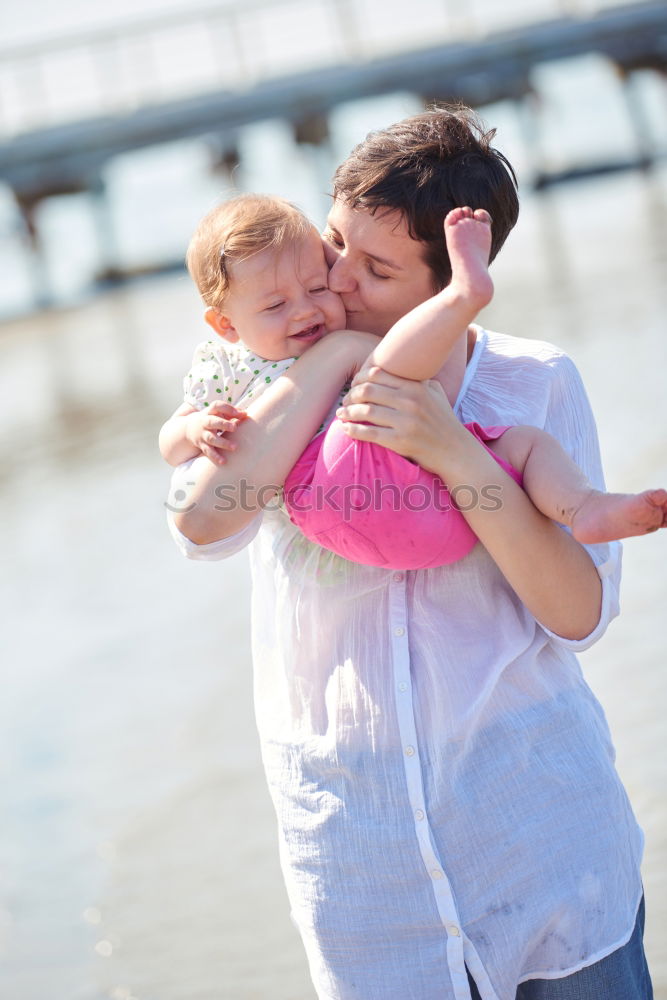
(221, 324)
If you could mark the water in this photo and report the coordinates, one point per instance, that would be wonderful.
(138, 854)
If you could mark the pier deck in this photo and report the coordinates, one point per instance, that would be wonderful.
(70, 155)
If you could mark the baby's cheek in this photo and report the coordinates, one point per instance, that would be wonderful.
(337, 317)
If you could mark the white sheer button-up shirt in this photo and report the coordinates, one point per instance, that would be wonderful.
(443, 776)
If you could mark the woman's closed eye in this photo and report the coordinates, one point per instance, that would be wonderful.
(331, 237)
(376, 274)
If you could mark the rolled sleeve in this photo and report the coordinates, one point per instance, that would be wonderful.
(607, 559)
(570, 420)
(223, 548)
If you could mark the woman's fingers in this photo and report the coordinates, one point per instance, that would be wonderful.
(411, 418)
(368, 393)
(385, 436)
(405, 395)
(412, 422)
(378, 376)
(367, 413)
(377, 385)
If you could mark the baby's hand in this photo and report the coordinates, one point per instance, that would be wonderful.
(206, 430)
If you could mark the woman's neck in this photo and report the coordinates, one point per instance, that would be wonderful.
(472, 341)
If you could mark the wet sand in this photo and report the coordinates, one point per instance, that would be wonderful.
(137, 849)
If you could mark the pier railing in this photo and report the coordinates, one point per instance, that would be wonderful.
(115, 69)
(70, 105)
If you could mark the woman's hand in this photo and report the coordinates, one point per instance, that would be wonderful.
(414, 419)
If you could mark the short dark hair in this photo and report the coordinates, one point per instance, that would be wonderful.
(423, 167)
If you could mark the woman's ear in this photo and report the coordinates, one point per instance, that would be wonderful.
(221, 324)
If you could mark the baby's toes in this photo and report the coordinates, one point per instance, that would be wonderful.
(658, 498)
(655, 510)
(481, 215)
(454, 216)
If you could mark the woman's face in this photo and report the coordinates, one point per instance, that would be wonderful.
(375, 266)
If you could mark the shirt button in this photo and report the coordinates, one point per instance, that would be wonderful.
(436, 874)
(409, 751)
(398, 577)
(454, 930)
(399, 631)
(402, 686)
(419, 814)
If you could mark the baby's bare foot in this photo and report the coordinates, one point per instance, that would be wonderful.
(605, 517)
(468, 236)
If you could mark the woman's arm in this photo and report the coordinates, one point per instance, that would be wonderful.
(416, 420)
(222, 500)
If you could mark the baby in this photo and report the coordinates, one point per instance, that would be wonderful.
(260, 268)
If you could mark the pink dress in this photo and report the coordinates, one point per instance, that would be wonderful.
(372, 506)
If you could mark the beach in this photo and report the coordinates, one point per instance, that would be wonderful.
(138, 845)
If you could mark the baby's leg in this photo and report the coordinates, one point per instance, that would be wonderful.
(468, 239)
(418, 345)
(560, 490)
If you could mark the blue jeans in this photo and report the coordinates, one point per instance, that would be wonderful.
(623, 975)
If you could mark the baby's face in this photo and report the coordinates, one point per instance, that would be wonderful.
(279, 303)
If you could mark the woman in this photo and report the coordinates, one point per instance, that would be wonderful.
(450, 819)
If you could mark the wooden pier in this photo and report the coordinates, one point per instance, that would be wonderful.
(39, 159)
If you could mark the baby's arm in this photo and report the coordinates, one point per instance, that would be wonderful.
(190, 432)
(418, 345)
(280, 424)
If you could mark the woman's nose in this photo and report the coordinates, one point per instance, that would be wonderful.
(341, 278)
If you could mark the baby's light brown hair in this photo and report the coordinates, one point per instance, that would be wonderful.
(234, 231)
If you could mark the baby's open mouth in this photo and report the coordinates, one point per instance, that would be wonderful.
(310, 333)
